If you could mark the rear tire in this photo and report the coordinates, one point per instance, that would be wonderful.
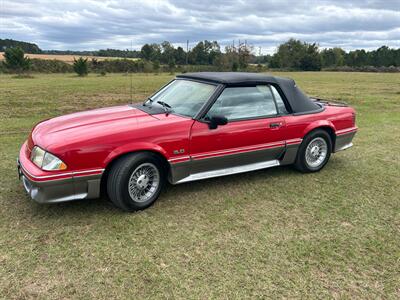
(314, 152)
(135, 181)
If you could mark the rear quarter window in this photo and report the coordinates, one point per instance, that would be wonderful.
(279, 101)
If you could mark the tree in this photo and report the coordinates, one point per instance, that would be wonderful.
(290, 53)
(311, 59)
(332, 57)
(274, 62)
(16, 61)
(244, 53)
(212, 50)
(198, 55)
(151, 52)
(180, 56)
(205, 53)
(297, 55)
(81, 66)
(146, 52)
(383, 56)
(231, 58)
(168, 52)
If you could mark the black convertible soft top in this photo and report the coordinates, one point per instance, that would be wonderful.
(298, 101)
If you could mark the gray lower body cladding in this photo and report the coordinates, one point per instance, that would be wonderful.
(196, 169)
(344, 141)
(53, 191)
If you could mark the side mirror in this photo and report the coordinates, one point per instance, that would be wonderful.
(216, 120)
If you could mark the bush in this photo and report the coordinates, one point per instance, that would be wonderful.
(50, 66)
(391, 69)
(171, 65)
(16, 61)
(81, 66)
(156, 66)
(235, 66)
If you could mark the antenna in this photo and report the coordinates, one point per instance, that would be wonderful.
(130, 75)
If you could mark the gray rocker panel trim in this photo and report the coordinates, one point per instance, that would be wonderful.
(230, 171)
(196, 169)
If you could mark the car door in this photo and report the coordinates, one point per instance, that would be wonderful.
(253, 134)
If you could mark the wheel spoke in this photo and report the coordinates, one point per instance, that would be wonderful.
(316, 152)
(143, 182)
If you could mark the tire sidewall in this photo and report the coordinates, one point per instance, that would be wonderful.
(302, 153)
(124, 181)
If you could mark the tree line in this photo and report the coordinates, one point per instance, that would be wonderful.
(204, 53)
(298, 55)
(25, 46)
(291, 55)
(34, 49)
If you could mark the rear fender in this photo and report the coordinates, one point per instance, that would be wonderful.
(318, 124)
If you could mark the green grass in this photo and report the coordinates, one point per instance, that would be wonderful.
(271, 233)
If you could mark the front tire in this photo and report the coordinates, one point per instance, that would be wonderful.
(314, 152)
(135, 181)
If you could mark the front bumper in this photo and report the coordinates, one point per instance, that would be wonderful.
(60, 190)
(45, 188)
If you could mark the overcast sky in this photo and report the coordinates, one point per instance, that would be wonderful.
(91, 25)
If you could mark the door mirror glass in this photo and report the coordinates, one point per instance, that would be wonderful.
(217, 120)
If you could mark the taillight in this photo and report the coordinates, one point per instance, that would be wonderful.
(354, 118)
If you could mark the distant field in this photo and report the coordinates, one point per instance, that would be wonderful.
(65, 58)
(273, 233)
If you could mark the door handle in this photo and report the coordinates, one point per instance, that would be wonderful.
(275, 125)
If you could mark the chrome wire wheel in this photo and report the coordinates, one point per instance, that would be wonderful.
(316, 152)
(143, 182)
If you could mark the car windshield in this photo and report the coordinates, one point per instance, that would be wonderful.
(183, 97)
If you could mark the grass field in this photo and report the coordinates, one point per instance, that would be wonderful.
(271, 233)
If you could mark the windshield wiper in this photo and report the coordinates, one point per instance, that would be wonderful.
(166, 106)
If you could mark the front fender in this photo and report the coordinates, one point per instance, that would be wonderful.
(134, 147)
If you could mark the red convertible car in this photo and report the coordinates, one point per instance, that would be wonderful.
(198, 126)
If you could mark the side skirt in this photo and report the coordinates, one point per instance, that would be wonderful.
(230, 171)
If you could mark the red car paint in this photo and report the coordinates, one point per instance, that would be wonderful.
(89, 141)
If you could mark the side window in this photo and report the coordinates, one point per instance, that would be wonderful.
(244, 103)
(279, 102)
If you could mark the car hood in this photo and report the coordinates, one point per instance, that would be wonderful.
(87, 124)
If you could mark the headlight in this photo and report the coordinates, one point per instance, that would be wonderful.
(37, 156)
(46, 161)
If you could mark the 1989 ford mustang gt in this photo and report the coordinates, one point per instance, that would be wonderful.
(198, 126)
